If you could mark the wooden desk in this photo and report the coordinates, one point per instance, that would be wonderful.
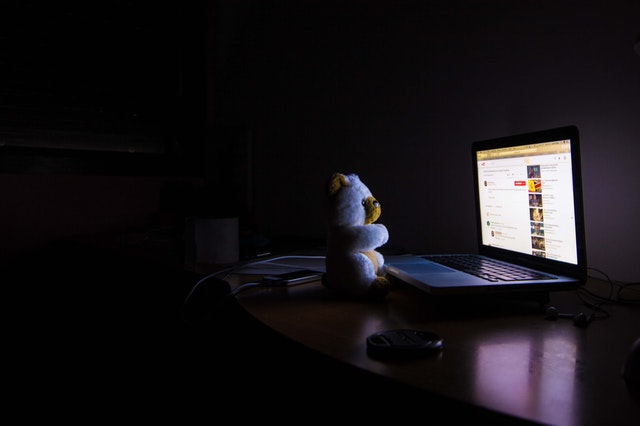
(500, 355)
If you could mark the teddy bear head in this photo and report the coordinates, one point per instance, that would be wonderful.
(351, 202)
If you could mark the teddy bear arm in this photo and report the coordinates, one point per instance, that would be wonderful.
(383, 233)
(360, 238)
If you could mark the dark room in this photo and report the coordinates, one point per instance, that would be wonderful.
(165, 167)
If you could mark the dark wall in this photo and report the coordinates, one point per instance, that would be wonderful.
(102, 112)
(392, 90)
(396, 91)
(38, 209)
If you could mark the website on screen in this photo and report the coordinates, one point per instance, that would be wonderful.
(526, 199)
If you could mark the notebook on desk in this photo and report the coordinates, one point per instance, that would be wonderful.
(529, 220)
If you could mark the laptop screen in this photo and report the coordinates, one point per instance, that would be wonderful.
(529, 195)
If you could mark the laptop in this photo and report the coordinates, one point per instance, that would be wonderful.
(529, 219)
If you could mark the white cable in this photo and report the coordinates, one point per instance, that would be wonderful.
(242, 287)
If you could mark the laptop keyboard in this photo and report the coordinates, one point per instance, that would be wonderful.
(486, 268)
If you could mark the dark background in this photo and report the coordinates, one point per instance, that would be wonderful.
(247, 107)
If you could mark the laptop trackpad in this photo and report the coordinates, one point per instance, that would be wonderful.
(416, 265)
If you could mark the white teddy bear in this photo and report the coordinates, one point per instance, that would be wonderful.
(353, 266)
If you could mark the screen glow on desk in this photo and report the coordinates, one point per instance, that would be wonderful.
(528, 376)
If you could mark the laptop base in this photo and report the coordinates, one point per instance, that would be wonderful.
(534, 299)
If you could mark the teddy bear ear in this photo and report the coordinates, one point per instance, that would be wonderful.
(337, 181)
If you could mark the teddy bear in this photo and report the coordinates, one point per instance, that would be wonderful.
(353, 265)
